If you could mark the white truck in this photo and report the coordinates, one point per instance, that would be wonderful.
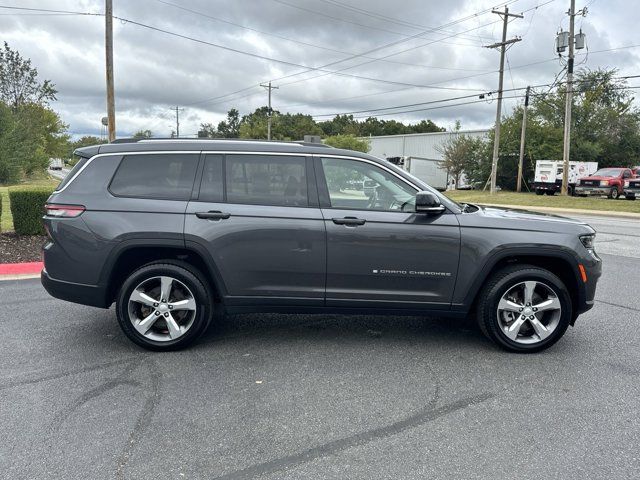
(548, 175)
(55, 163)
(428, 170)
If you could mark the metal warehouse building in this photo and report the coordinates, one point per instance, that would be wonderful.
(419, 153)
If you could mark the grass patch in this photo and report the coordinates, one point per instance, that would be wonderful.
(556, 201)
(6, 220)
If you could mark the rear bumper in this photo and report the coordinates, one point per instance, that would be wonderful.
(547, 187)
(92, 295)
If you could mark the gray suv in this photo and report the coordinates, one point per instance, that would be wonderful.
(176, 232)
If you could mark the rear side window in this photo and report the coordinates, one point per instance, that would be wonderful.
(266, 180)
(76, 168)
(161, 176)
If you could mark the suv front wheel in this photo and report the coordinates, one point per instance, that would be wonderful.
(524, 308)
(164, 306)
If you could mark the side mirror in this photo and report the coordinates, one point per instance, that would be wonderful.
(427, 202)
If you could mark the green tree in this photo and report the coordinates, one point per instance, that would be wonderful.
(143, 134)
(230, 128)
(348, 142)
(19, 83)
(288, 126)
(461, 154)
(606, 129)
(85, 141)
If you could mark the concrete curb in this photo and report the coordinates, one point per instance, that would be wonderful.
(20, 271)
(579, 211)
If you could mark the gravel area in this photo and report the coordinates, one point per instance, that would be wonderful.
(21, 248)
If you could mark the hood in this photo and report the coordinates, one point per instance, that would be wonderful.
(516, 219)
(526, 215)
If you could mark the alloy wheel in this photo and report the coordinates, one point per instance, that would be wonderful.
(162, 308)
(529, 312)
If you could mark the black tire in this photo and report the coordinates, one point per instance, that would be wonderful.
(551, 193)
(630, 197)
(498, 284)
(539, 191)
(184, 273)
(614, 194)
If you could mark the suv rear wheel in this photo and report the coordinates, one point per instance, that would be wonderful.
(524, 308)
(164, 306)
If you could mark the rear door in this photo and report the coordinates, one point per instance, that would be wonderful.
(380, 253)
(257, 217)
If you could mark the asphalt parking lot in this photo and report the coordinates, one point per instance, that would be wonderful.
(331, 397)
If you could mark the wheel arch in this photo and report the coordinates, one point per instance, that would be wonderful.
(556, 260)
(134, 254)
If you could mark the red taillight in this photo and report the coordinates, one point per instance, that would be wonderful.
(63, 211)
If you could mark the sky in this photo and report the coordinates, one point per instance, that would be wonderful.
(325, 57)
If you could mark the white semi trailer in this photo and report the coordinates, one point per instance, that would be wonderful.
(428, 170)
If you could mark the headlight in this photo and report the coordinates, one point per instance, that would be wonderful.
(626, 183)
(588, 241)
(604, 183)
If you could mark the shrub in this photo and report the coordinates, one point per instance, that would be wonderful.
(27, 208)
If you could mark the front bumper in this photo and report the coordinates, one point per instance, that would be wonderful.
(92, 295)
(580, 190)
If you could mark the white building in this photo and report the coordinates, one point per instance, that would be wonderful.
(422, 150)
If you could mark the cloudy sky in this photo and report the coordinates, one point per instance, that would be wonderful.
(326, 56)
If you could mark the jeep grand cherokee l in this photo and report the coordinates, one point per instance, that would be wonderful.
(175, 232)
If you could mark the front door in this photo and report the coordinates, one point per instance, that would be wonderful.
(380, 253)
(259, 220)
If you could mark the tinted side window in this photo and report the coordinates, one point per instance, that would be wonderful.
(76, 168)
(266, 180)
(352, 184)
(161, 176)
(211, 185)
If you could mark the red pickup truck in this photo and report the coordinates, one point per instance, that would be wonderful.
(606, 181)
(632, 185)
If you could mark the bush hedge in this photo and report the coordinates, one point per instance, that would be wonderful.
(27, 208)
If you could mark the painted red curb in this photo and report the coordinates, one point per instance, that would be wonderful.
(20, 268)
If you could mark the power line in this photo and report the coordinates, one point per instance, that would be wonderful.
(454, 22)
(385, 18)
(307, 44)
(397, 42)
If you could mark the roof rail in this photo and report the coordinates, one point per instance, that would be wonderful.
(208, 139)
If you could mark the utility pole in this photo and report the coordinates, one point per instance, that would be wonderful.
(178, 110)
(503, 48)
(522, 138)
(569, 103)
(108, 42)
(269, 88)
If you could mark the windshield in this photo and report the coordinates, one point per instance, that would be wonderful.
(608, 172)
